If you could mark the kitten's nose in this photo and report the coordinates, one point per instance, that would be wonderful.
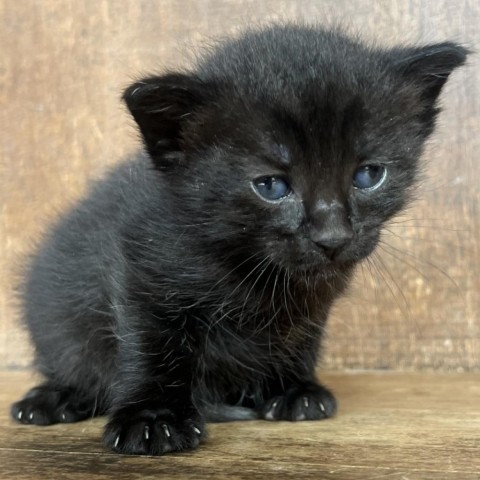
(332, 237)
(332, 242)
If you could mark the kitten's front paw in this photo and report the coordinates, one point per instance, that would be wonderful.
(306, 402)
(48, 404)
(152, 432)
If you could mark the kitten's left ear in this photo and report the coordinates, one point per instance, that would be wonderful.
(160, 106)
(431, 65)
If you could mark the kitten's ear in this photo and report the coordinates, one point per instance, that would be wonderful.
(431, 65)
(160, 106)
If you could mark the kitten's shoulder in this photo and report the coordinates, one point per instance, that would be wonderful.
(128, 184)
(112, 201)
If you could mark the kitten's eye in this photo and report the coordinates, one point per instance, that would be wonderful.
(272, 188)
(369, 177)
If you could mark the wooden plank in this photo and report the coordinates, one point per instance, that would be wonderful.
(23, 465)
(63, 66)
(399, 426)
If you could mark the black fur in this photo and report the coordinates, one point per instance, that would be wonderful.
(174, 295)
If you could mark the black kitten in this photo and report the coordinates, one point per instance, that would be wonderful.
(194, 281)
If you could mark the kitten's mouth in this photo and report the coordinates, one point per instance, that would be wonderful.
(329, 269)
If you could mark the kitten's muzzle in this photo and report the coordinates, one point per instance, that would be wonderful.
(331, 233)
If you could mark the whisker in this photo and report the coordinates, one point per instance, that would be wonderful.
(258, 266)
(375, 258)
(262, 270)
(423, 223)
(432, 240)
(385, 248)
(286, 303)
(426, 262)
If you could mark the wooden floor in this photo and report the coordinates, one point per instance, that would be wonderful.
(390, 425)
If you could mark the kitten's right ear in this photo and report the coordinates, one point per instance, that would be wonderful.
(160, 106)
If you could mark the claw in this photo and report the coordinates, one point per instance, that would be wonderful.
(305, 402)
(166, 430)
(30, 417)
(322, 408)
(146, 432)
(270, 415)
(20, 414)
(63, 417)
(117, 441)
(197, 431)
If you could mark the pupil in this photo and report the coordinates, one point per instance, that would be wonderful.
(271, 188)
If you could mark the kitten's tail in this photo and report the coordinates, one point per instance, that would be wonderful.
(228, 413)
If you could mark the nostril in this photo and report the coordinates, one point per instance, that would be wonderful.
(329, 252)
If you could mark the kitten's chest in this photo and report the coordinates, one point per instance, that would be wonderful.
(238, 359)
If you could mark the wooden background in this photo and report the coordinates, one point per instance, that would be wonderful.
(63, 65)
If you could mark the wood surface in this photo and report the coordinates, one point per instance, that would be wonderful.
(398, 426)
(63, 65)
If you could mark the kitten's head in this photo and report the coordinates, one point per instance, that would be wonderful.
(294, 143)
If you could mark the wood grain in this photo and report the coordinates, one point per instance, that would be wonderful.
(405, 426)
(63, 66)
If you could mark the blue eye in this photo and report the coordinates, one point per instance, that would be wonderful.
(369, 177)
(272, 188)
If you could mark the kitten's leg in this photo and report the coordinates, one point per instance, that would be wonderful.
(49, 403)
(296, 395)
(152, 411)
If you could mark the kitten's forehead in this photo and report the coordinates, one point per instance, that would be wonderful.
(318, 133)
(287, 59)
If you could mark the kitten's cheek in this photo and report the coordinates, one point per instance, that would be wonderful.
(362, 246)
(368, 246)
